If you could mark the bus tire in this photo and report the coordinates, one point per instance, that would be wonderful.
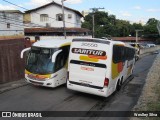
(66, 83)
(121, 81)
(118, 87)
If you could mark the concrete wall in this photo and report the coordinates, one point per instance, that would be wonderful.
(148, 50)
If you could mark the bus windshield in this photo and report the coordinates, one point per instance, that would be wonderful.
(39, 60)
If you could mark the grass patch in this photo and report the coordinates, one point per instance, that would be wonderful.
(155, 105)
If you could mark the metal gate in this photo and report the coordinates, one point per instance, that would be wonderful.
(11, 66)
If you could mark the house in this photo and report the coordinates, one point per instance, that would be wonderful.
(47, 22)
(11, 23)
(50, 15)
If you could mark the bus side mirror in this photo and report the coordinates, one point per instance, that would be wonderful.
(55, 55)
(24, 50)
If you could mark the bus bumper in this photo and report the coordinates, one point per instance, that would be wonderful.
(100, 92)
(46, 83)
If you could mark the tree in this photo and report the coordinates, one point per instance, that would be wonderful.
(108, 25)
(136, 26)
(150, 29)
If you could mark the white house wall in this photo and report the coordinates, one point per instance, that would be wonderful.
(52, 10)
(16, 24)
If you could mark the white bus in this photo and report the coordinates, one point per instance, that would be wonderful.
(46, 63)
(99, 66)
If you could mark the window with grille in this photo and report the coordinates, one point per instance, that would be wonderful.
(59, 17)
(44, 17)
(8, 25)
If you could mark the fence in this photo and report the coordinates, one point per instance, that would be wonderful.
(11, 66)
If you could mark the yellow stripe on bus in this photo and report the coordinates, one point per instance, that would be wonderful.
(41, 76)
(86, 58)
(66, 44)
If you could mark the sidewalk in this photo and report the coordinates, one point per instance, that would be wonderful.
(12, 85)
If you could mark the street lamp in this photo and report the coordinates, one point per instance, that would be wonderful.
(64, 31)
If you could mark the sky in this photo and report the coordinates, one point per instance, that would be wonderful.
(131, 10)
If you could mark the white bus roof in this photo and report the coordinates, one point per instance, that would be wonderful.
(108, 40)
(54, 43)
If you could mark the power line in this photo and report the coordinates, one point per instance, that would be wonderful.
(36, 12)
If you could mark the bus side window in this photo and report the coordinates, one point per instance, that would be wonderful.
(118, 54)
(62, 58)
(66, 53)
(59, 63)
(123, 53)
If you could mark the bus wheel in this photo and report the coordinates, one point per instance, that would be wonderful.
(121, 81)
(118, 87)
(66, 83)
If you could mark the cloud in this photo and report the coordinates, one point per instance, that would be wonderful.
(137, 7)
(125, 13)
(7, 7)
(153, 10)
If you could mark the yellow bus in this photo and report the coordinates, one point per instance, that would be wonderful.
(46, 63)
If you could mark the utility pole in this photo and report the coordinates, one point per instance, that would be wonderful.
(137, 46)
(93, 22)
(137, 35)
(64, 31)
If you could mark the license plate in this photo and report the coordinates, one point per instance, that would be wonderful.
(84, 84)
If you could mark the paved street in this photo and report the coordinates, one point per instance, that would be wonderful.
(33, 98)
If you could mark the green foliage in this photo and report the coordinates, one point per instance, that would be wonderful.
(150, 27)
(108, 25)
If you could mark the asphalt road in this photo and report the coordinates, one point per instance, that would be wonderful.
(33, 98)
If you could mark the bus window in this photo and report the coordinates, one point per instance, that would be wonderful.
(118, 54)
(130, 52)
(62, 58)
(59, 61)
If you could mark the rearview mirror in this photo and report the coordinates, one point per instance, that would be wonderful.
(24, 50)
(55, 55)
